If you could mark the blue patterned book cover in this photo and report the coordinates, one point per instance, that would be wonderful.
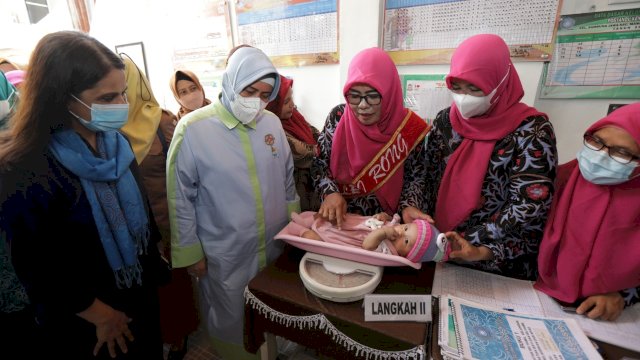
(485, 333)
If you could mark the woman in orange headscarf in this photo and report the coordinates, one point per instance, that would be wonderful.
(303, 140)
(188, 91)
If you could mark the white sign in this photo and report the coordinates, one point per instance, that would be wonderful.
(379, 307)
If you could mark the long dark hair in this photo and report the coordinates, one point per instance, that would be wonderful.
(63, 63)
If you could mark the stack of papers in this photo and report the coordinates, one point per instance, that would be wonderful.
(518, 296)
(469, 330)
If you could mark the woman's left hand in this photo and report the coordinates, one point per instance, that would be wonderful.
(464, 250)
(411, 213)
(605, 306)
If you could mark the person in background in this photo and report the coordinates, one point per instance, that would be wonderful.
(188, 91)
(303, 140)
(591, 243)
(178, 308)
(73, 210)
(491, 163)
(230, 189)
(6, 65)
(18, 332)
(144, 111)
(371, 155)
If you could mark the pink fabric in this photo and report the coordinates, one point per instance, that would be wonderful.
(354, 144)
(352, 233)
(15, 77)
(591, 243)
(482, 60)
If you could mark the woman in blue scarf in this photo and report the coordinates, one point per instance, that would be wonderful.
(73, 211)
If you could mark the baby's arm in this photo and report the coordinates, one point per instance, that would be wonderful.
(375, 237)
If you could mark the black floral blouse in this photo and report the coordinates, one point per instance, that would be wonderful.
(368, 205)
(516, 193)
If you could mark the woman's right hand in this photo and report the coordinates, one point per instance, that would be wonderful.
(198, 269)
(334, 209)
(112, 330)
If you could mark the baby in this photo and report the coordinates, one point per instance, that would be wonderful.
(418, 241)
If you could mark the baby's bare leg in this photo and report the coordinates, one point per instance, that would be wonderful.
(383, 216)
(310, 234)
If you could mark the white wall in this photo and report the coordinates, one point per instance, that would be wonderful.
(318, 88)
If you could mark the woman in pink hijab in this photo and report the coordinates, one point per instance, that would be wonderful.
(371, 156)
(591, 245)
(491, 163)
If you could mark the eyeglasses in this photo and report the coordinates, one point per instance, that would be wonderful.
(618, 154)
(371, 99)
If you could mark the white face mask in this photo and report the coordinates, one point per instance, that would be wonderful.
(599, 168)
(5, 106)
(245, 109)
(471, 106)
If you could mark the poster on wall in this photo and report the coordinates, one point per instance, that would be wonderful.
(428, 31)
(291, 32)
(426, 95)
(201, 40)
(597, 55)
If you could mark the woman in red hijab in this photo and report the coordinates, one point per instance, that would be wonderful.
(371, 151)
(591, 245)
(303, 140)
(491, 163)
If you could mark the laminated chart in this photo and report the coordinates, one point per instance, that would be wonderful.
(291, 32)
(428, 31)
(597, 55)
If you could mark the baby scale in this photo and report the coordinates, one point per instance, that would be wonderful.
(336, 279)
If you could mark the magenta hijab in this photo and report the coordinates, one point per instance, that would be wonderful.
(591, 243)
(484, 61)
(355, 145)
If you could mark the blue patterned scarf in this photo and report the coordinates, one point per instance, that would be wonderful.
(114, 197)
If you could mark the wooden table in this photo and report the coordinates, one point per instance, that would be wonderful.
(335, 330)
(277, 303)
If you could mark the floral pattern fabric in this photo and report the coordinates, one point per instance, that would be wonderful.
(515, 197)
(13, 296)
(368, 205)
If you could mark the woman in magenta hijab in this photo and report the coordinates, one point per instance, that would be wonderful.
(371, 151)
(491, 163)
(591, 245)
(303, 141)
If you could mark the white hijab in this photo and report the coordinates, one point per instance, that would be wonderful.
(246, 66)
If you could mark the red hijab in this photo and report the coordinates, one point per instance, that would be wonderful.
(591, 242)
(484, 61)
(297, 126)
(354, 144)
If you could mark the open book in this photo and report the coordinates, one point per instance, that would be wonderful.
(499, 292)
(481, 332)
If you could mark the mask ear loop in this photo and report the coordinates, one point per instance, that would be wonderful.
(143, 81)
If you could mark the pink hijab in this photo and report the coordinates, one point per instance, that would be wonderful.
(591, 242)
(354, 144)
(484, 61)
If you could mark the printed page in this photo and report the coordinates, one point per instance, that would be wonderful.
(489, 289)
(486, 333)
(623, 332)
